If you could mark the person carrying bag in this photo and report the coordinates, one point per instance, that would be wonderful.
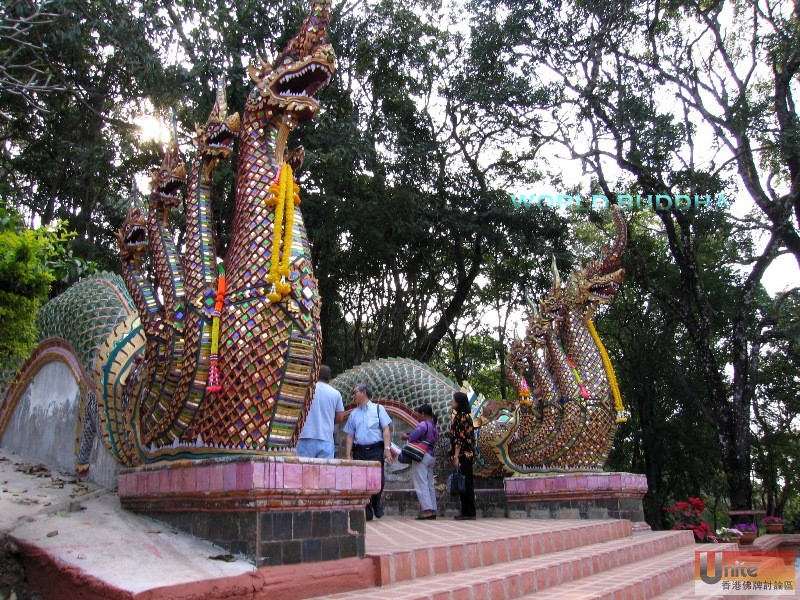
(462, 452)
(422, 443)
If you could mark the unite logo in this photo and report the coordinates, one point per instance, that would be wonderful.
(744, 573)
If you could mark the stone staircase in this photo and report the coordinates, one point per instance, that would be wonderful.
(504, 558)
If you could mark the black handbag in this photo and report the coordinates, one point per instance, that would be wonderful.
(457, 483)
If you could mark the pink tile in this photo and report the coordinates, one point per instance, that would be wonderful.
(259, 475)
(374, 478)
(203, 479)
(327, 477)
(122, 485)
(359, 478)
(310, 477)
(244, 475)
(343, 481)
(277, 472)
(175, 480)
(292, 476)
(153, 482)
(217, 478)
(189, 479)
(229, 476)
(163, 481)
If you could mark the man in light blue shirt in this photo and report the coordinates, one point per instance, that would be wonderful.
(327, 408)
(369, 438)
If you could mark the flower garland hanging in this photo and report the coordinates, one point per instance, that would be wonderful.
(284, 196)
(214, 383)
(622, 414)
(524, 391)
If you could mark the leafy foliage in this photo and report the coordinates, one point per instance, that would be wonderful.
(30, 261)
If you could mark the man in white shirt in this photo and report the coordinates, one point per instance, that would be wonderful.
(369, 438)
(327, 409)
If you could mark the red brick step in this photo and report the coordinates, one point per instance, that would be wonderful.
(639, 580)
(405, 549)
(550, 572)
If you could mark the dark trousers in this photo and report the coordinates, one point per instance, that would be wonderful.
(375, 452)
(468, 497)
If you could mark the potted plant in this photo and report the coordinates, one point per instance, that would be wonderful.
(773, 524)
(749, 532)
(689, 515)
(726, 534)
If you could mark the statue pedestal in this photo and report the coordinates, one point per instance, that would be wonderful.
(578, 496)
(274, 510)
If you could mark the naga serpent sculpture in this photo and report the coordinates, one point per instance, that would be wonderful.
(569, 419)
(180, 358)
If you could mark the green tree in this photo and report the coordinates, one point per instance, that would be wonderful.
(30, 261)
(634, 141)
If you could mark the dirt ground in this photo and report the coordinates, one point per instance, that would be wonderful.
(12, 576)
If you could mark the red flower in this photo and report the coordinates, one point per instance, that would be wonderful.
(697, 504)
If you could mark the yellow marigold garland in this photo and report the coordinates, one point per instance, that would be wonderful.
(214, 383)
(285, 195)
(622, 414)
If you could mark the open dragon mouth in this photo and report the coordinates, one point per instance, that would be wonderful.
(304, 82)
(604, 290)
(170, 187)
(539, 336)
(136, 237)
(222, 139)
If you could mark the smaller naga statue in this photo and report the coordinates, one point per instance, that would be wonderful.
(568, 405)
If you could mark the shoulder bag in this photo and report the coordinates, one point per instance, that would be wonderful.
(415, 451)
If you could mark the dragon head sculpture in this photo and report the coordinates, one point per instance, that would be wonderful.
(305, 66)
(166, 182)
(132, 236)
(553, 305)
(517, 357)
(215, 139)
(539, 327)
(598, 281)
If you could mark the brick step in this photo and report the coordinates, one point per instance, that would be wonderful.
(404, 549)
(638, 580)
(686, 590)
(517, 578)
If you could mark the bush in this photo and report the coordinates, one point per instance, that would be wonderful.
(689, 515)
(30, 261)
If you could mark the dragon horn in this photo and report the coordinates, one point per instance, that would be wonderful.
(622, 233)
(133, 195)
(174, 123)
(220, 109)
(556, 274)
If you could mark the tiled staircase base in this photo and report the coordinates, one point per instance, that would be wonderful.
(501, 559)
